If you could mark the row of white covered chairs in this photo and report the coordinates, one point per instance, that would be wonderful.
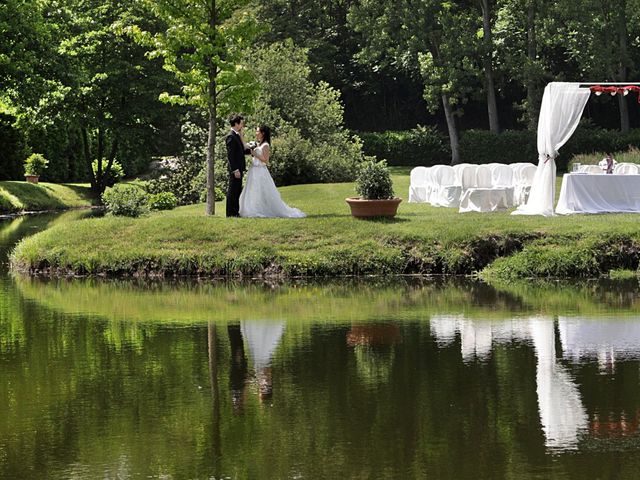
(618, 169)
(472, 187)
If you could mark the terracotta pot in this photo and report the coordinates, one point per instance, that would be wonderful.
(32, 178)
(373, 208)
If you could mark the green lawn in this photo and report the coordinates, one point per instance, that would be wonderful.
(422, 239)
(22, 196)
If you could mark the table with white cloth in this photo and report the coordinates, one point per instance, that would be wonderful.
(598, 193)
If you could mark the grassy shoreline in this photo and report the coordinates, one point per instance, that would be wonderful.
(329, 242)
(19, 197)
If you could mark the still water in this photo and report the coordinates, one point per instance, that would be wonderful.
(442, 379)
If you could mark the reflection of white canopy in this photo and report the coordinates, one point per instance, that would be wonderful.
(562, 414)
(263, 337)
(562, 106)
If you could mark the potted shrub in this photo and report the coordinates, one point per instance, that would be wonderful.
(376, 192)
(34, 166)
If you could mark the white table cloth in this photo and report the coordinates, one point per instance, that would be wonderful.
(598, 193)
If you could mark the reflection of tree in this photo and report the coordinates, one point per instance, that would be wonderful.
(215, 397)
(373, 345)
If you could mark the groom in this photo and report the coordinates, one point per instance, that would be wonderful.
(236, 163)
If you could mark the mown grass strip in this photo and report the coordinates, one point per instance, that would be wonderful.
(329, 242)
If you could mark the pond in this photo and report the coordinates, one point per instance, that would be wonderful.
(378, 379)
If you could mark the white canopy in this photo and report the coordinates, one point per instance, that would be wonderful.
(562, 107)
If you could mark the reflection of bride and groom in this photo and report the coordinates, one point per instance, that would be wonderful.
(262, 339)
(260, 197)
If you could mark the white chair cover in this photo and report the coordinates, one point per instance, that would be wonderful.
(592, 169)
(524, 179)
(483, 177)
(458, 169)
(626, 169)
(448, 193)
(434, 178)
(418, 185)
(502, 176)
(482, 197)
(562, 107)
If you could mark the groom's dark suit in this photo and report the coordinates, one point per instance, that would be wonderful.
(236, 161)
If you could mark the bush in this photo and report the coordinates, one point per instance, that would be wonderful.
(35, 164)
(424, 146)
(219, 195)
(374, 181)
(310, 143)
(126, 200)
(163, 201)
(111, 176)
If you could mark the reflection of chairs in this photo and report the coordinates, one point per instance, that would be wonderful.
(591, 169)
(626, 169)
(478, 194)
(418, 185)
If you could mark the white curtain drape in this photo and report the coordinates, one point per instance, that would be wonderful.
(562, 107)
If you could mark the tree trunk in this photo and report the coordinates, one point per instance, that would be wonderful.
(213, 111)
(532, 88)
(211, 162)
(453, 130)
(492, 106)
(623, 35)
(86, 148)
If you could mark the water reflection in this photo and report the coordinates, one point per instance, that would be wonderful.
(408, 378)
(263, 337)
(563, 416)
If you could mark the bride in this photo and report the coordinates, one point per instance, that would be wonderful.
(260, 197)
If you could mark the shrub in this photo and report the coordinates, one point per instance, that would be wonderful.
(111, 176)
(126, 200)
(219, 195)
(421, 146)
(374, 181)
(310, 143)
(35, 164)
(163, 201)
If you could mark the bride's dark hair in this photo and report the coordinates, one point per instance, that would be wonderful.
(266, 133)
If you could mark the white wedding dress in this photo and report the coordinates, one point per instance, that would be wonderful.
(260, 197)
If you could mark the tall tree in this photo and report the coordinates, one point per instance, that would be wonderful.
(527, 33)
(433, 39)
(202, 46)
(488, 49)
(600, 34)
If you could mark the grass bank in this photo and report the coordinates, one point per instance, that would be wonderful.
(329, 242)
(18, 197)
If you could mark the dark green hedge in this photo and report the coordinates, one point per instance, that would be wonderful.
(427, 146)
(13, 149)
(421, 146)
